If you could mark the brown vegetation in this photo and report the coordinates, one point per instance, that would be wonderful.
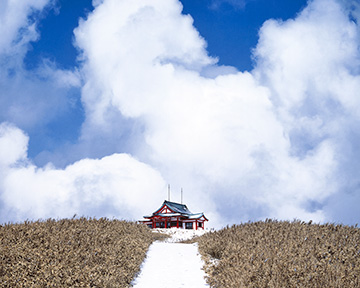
(72, 253)
(282, 254)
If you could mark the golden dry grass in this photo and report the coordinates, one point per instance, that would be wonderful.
(72, 253)
(282, 254)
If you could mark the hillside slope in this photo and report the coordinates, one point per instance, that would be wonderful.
(73, 252)
(282, 254)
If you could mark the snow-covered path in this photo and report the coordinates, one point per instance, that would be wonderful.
(172, 265)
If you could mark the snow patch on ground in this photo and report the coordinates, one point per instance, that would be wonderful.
(178, 235)
(171, 265)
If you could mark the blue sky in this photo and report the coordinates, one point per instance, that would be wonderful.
(250, 106)
(229, 27)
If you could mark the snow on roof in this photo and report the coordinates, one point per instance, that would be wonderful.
(168, 214)
(196, 216)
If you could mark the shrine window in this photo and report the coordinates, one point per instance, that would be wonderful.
(189, 225)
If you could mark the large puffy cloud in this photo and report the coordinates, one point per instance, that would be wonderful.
(316, 55)
(114, 186)
(241, 143)
(311, 66)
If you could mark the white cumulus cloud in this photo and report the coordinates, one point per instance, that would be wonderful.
(239, 139)
(13, 144)
(114, 186)
(311, 66)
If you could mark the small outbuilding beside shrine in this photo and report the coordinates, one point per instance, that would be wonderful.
(175, 215)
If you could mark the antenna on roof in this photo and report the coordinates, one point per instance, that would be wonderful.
(181, 195)
(169, 192)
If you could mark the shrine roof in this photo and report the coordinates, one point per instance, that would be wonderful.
(196, 216)
(177, 207)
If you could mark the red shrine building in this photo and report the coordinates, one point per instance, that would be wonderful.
(175, 215)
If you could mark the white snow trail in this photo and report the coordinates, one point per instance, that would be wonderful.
(172, 265)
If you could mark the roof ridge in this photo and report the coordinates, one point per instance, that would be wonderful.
(174, 202)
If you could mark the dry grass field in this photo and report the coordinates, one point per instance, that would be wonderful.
(72, 253)
(282, 254)
(108, 253)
